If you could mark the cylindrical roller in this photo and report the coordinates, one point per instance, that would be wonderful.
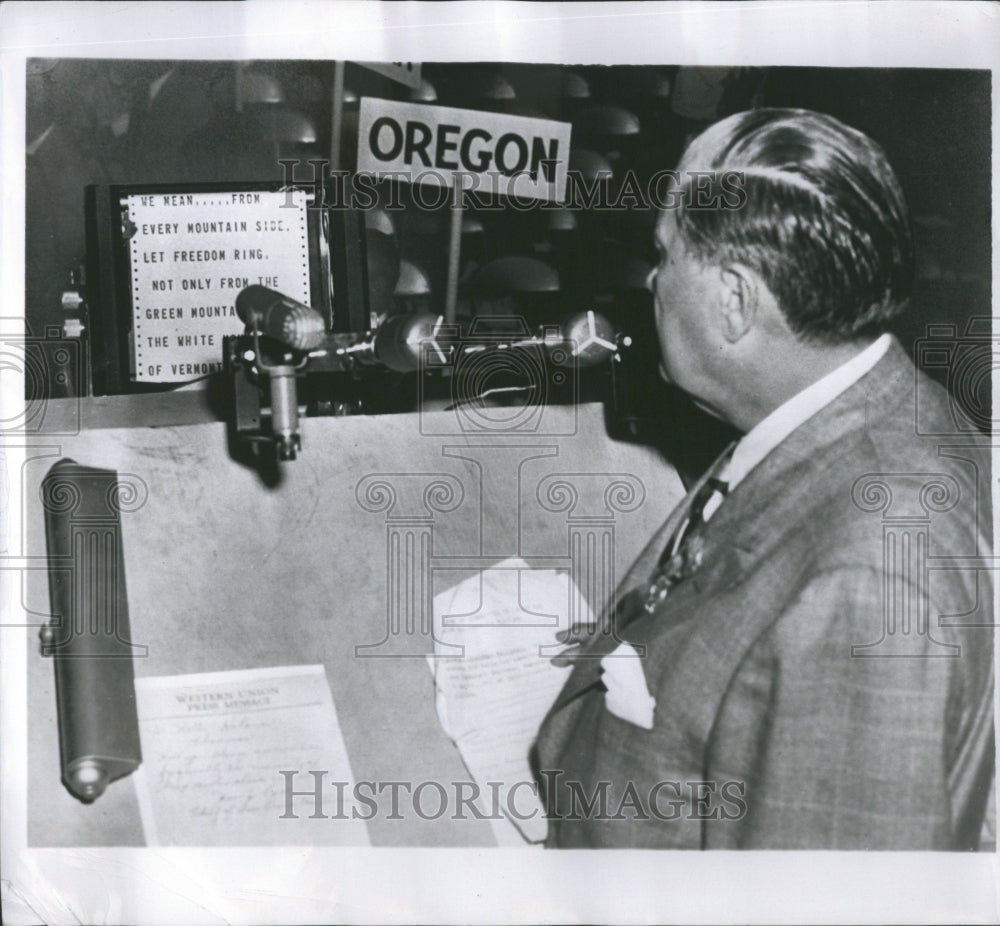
(89, 637)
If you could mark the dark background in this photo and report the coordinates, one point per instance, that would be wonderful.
(96, 122)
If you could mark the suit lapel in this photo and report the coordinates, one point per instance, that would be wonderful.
(760, 509)
(759, 512)
(587, 671)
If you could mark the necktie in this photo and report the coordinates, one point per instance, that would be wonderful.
(679, 558)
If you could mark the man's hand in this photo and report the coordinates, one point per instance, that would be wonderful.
(575, 638)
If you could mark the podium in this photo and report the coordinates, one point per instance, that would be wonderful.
(336, 563)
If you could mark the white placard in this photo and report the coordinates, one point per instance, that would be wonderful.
(191, 254)
(491, 152)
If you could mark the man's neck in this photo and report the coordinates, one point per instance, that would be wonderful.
(771, 382)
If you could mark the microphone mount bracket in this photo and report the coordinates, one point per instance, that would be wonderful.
(347, 372)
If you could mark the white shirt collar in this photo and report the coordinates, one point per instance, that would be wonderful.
(760, 440)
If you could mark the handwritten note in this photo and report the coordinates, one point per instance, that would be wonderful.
(494, 639)
(191, 254)
(217, 752)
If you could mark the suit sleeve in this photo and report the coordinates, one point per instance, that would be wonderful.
(846, 737)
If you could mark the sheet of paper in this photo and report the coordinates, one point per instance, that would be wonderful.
(494, 640)
(214, 748)
(191, 255)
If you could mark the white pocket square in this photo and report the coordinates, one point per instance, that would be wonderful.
(627, 696)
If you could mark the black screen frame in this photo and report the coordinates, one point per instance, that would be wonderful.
(108, 281)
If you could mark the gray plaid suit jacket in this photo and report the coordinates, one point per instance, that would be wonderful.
(817, 681)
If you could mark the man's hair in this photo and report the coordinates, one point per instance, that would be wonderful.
(824, 222)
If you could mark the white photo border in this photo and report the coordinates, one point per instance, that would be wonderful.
(297, 885)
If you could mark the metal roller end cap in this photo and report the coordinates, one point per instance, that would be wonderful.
(87, 779)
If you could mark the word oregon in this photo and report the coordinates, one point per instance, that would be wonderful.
(449, 147)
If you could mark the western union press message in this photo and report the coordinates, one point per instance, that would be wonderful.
(191, 254)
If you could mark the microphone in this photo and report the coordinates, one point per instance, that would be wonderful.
(592, 337)
(406, 343)
(401, 341)
(293, 323)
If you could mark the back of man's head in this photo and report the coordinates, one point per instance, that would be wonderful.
(823, 223)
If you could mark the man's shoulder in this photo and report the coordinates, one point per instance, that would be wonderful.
(907, 428)
(925, 445)
(864, 466)
(887, 478)
(910, 409)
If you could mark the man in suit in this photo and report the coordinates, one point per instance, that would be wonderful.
(802, 657)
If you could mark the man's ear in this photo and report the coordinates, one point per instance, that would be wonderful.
(739, 302)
